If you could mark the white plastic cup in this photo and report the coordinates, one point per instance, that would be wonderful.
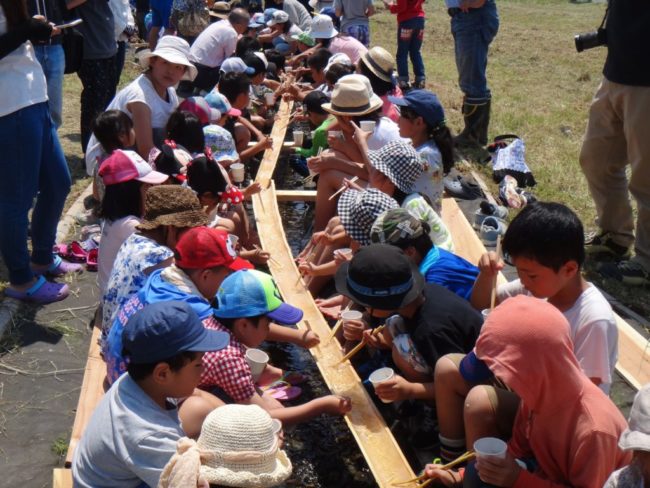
(368, 125)
(257, 361)
(380, 375)
(269, 98)
(233, 240)
(237, 172)
(490, 447)
(348, 315)
(335, 134)
(346, 252)
(485, 312)
(298, 136)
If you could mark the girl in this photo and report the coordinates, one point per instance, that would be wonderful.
(127, 177)
(151, 98)
(422, 120)
(410, 33)
(377, 66)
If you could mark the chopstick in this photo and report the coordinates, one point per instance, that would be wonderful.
(309, 256)
(258, 248)
(459, 460)
(339, 322)
(493, 295)
(360, 346)
(343, 187)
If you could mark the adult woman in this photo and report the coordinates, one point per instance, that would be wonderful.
(32, 163)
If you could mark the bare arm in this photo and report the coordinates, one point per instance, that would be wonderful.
(281, 333)
(489, 266)
(142, 125)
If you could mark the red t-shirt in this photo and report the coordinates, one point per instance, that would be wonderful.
(407, 9)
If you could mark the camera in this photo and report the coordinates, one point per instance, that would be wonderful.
(590, 40)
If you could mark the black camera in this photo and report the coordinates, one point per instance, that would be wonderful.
(590, 40)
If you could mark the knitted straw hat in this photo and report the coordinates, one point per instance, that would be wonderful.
(351, 97)
(380, 62)
(172, 205)
(239, 448)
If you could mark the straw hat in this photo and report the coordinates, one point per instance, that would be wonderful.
(220, 10)
(174, 50)
(172, 205)
(380, 62)
(351, 97)
(240, 448)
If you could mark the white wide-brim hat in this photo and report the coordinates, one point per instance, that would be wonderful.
(637, 436)
(174, 50)
(352, 97)
(322, 27)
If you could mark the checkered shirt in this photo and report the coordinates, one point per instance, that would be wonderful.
(399, 162)
(358, 210)
(227, 368)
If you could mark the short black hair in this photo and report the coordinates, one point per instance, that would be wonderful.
(247, 45)
(547, 232)
(231, 85)
(319, 59)
(274, 56)
(108, 126)
(314, 100)
(255, 62)
(230, 323)
(204, 175)
(140, 372)
(338, 71)
(379, 87)
(121, 200)
(186, 129)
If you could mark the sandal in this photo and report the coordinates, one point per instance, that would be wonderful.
(59, 267)
(91, 260)
(283, 391)
(41, 292)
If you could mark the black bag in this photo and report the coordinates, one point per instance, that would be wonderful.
(73, 46)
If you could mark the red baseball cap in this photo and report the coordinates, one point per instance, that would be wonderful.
(203, 247)
(123, 165)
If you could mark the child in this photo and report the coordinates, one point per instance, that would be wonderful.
(206, 178)
(169, 210)
(247, 302)
(410, 34)
(378, 66)
(565, 429)
(133, 431)
(323, 32)
(126, 176)
(422, 119)
(635, 438)
(319, 119)
(399, 228)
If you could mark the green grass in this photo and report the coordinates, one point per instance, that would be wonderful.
(60, 446)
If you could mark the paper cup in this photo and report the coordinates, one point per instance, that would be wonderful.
(345, 252)
(368, 125)
(257, 361)
(335, 134)
(380, 375)
(351, 315)
(237, 172)
(485, 312)
(490, 447)
(298, 136)
(233, 240)
(269, 98)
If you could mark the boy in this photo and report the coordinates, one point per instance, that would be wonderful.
(319, 119)
(134, 429)
(566, 430)
(247, 302)
(546, 244)
(399, 228)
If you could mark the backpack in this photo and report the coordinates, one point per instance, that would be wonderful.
(193, 20)
(508, 158)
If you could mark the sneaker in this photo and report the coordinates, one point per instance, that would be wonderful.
(490, 230)
(602, 246)
(629, 272)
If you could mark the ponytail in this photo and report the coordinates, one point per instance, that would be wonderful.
(441, 135)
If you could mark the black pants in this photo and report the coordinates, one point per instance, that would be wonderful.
(207, 77)
(98, 80)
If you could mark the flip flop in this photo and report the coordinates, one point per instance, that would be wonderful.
(42, 292)
(91, 260)
(283, 391)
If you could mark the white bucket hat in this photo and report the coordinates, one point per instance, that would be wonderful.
(352, 96)
(637, 436)
(240, 448)
(322, 27)
(279, 17)
(172, 49)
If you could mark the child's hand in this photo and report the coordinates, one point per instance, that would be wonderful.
(394, 389)
(444, 476)
(310, 339)
(266, 142)
(375, 340)
(315, 163)
(335, 404)
(496, 471)
(360, 136)
(307, 268)
(335, 142)
(490, 264)
(353, 329)
(252, 189)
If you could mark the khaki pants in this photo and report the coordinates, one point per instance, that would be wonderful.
(618, 134)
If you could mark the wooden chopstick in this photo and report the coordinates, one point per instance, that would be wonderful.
(459, 460)
(343, 187)
(339, 322)
(361, 345)
(258, 248)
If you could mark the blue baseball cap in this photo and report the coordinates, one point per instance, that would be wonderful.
(250, 293)
(474, 370)
(268, 14)
(424, 103)
(162, 330)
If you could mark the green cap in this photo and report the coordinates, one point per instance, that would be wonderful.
(305, 38)
(395, 225)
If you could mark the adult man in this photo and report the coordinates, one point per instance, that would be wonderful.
(474, 23)
(216, 43)
(618, 134)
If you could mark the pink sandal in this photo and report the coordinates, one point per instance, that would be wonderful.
(42, 292)
(283, 391)
(91, 260)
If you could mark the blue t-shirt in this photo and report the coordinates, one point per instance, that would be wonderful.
(446, 269)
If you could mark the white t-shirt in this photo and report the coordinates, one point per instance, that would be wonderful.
(139, 90)
(216, 43)
(593, 331)
(128, 440)
(385, 131)
(114, 234)
(430, 183)
(22, 82)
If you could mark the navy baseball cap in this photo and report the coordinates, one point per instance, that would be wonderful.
(424, 103)
(473, 370)
(162, 330)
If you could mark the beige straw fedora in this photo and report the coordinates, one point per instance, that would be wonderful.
(380, 62)
(351, 97)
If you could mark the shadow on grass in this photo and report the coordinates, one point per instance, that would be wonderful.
(25, 331)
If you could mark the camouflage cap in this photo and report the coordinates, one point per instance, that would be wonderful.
(395, 225)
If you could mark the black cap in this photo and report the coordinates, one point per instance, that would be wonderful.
(380, 276)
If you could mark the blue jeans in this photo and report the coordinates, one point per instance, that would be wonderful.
(52, 61)
(32, 166)
(409, 42)
(473, 32)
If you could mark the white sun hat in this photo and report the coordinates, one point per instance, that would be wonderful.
(174, 50)
(322, 27)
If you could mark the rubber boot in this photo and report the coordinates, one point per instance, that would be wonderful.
(477, 118)
(483, 123)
